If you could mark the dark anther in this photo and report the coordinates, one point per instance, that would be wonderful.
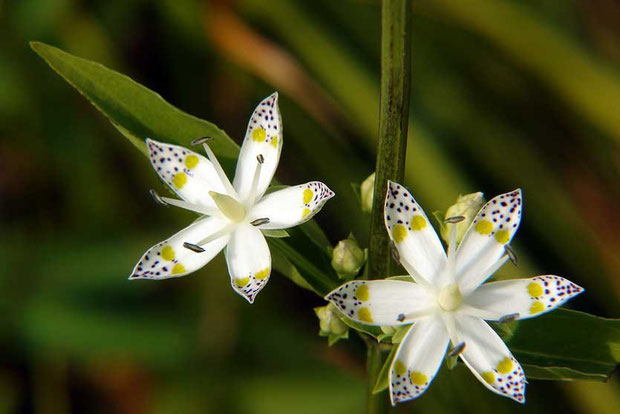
(454, 220)
(508, 318)
(511, 254)
(193, 247)
(260, 221)
(260, 158)
(201, 140)
(400, 317)
(457, 350)
(394, 250)
(157, 198)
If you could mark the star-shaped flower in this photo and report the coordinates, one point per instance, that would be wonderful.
(448, 302)
(235, 215)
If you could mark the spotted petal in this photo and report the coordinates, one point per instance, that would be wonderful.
(170, 259)
(189, 174)
(483, 243)
(489, 359)
(264, 137)
(381, 302)
(249, 261)
(421, 252)
(418, 358)
(291, 206)
(527, 297)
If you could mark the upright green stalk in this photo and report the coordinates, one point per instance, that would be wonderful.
(393, 121)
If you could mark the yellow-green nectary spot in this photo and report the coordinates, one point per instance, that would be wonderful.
(178, 268)
(242, 281)
(399, 232)
(417, 223)
(489, 377)
(535, 290)
(365, 315)
(167, 253)
(418, 378)
(502, 236)
(362, 292)
(505, 366)
(191, 161)
(259, 135)
(305, 212)
(262, 274)
(274, 141)
(537, 307)
(308, 194)
(399, 367)
(179, 180)
(484, 227)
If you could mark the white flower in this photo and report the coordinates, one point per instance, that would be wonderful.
(235, 214)
(448, 302)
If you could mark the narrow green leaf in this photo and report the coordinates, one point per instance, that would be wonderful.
(566, 344)
(278, 234)
(383, 379)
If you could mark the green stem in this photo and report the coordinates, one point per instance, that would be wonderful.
(393, 122)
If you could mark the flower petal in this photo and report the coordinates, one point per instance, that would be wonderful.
(489, 359)
(263, 136)
(249, 261)
(483, 244)
(170, 259)
(291, 206)
(418, 358)
(421, 252)
(527, 297)
(381, 302)
(189, 174)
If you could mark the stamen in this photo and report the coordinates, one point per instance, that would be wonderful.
(188, 206)
(157, 198)
(216, 164)
(511, 254)
(394, 251)
(457, 350)
(193, 247)
(223, 232)
(260, 221)
(454, 220)
(508, 318)
(254, 188)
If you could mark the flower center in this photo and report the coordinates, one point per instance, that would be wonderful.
(230, 207)
(449, 297)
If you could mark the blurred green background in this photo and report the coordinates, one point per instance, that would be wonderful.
(505, 94)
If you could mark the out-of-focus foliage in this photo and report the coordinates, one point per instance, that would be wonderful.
(509, 93)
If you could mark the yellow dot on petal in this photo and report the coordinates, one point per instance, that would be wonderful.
(399, 232)
(489, 377)
(484, 227)
(242, 281)
(274, 141)
(259, 135)
(308, 194)
(502, 236)
(418, 378)
(362, 293)
(179, 180)
(262, 274)
(505, 366)
(191, 161)
(537, 307)
(305, 212)
(399, 367)
(535, 290)
(417, 223)
(178, 268)
(167, 253)
(364, 315)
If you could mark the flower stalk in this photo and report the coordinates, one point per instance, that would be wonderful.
(393, 123)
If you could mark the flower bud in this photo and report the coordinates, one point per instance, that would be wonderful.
(366, 193)
(330, 323)
(347, 258)
(467, 206)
